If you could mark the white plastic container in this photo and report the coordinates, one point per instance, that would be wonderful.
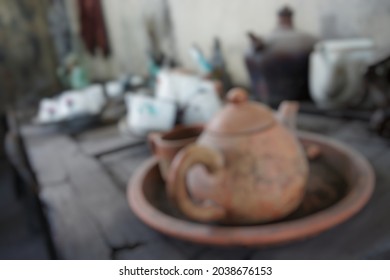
(94, 99)
(72, 103)
(165, 87)
(147, 114)
(336, 71)
(177, 87)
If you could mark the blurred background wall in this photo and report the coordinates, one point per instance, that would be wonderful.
(180, 23)
(135, 26)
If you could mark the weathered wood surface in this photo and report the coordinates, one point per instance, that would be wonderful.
(105, 140)
(84, 204)
(122, 165)
(90, 217)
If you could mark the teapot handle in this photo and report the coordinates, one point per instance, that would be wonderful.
(177, 186)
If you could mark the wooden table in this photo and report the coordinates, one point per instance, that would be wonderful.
(83, 182)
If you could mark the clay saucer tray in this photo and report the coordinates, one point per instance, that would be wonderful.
(341, 182)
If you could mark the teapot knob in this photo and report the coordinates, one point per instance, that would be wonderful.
(237, 96)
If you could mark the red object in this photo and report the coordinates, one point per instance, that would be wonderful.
(93, 29)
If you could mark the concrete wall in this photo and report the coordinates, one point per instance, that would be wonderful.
(127, 22)
(199, 21)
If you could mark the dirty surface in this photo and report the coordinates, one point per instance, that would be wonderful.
(85, 191)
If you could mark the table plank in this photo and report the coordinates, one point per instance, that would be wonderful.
(319, 124)
(105, 140)
(123, 164)
(75, 234)
(108, 206)
(59, 161)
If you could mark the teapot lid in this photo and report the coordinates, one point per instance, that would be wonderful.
(240, 115)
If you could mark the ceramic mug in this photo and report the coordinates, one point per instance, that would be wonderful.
(149, 114)
(166, 145)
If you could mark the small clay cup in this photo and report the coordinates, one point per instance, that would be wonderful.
(165, 146)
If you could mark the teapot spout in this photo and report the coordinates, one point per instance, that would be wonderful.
(287, 113)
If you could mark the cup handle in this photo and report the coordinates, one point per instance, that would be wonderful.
(152, 138)
(177, 185)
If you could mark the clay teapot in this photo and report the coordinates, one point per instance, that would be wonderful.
(246, 167)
